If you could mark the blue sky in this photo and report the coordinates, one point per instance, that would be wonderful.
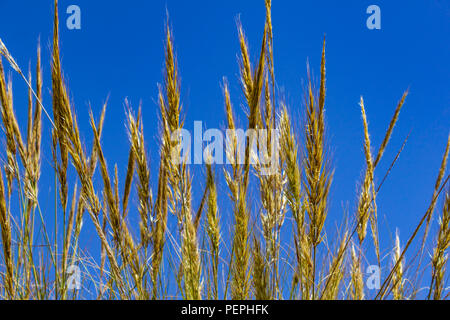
(119, 51)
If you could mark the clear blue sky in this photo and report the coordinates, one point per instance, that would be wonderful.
(119, 50)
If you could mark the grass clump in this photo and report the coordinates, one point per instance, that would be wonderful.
(277, 245)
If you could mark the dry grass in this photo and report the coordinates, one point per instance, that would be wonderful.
(277, 245)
